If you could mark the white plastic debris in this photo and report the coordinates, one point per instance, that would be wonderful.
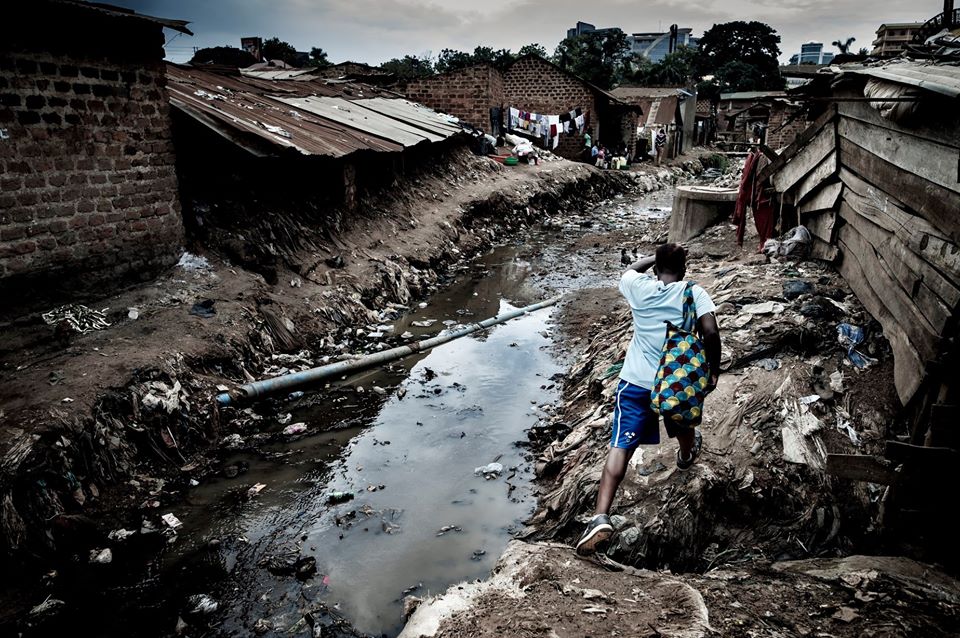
(193, 263)
(489, 471)
(276, 130)
(765, 308)
(295, 428)
(101, 556)
(256, 489)
(810, 398)
(120, 534)
(172, 521)
(202, 604)
(836, 381)
(133, 313)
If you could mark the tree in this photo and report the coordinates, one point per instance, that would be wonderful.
(277, 49)
(750, 47)
(863, 51)
(229, 56)
(844, 46)
(318, 57)
(597, 57)
(408, 68)
(532, 49)
(453, 60)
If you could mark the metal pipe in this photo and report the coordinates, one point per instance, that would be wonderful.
(287, 382)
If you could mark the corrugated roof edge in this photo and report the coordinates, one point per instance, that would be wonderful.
(122, 12)
(944, 84)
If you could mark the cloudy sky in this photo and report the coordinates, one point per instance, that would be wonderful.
(376, 30)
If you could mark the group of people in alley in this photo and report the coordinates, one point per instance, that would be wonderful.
(671, 365)
(602, 156)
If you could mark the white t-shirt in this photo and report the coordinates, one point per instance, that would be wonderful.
(652, 302)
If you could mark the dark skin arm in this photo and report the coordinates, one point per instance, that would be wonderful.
(710, 335)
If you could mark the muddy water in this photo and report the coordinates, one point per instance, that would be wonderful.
(420, 519)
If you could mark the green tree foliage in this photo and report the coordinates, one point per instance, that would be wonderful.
(408, 68)
(318, 57)
(453, 60)
(532, 49)
(277, 49)
(230, 56)
(597, 57)
(741, 56)
(844, 45)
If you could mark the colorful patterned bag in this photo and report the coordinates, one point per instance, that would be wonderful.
(682, 376)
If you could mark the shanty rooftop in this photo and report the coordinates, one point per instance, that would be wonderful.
(310, 116)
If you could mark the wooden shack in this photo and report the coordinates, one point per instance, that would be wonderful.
(876, 180)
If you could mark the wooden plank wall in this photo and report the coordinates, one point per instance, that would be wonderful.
(883, 200)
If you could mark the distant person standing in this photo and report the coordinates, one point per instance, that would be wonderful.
(660, 144)
(588, 153)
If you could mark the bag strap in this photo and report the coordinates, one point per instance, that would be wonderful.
(689, 308)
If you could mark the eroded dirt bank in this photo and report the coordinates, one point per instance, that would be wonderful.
(759, 539)
(103, 431)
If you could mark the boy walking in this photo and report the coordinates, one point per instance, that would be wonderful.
(653, 301)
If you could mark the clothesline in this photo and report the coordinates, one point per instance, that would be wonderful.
(548, 127)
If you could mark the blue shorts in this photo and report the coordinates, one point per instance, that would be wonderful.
(634, 421)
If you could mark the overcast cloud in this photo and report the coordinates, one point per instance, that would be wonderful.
(376, 30)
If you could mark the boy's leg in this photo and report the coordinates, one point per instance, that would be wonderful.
(613, 473)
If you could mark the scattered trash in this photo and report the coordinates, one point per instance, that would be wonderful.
(294, 429)
(101, 556)
(335, 498)
(172, 521)
(489, 471)
(850, 337)
(296, 394)
(202, 605)
(203, 309)
(120, 534)
(133, 314)
(836, 381)
(162, 396)
(811, 398)
(449, 528)
(193, 263)
(48, 607)
(764, 308)
(256, 489)
(478, 554)
(793, 288)
(66, 400)
(795, 243)
(768, 364)
(335, 262)
(307, 568)
(76, 318)
(296, 282)
(424, 323)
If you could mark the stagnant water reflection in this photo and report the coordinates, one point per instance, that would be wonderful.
(407, 457)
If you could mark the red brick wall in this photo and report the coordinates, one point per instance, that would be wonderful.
(468, 94)
(780, 133)
(536, 85)
(88, 185)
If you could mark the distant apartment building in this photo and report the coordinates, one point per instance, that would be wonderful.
(893, 37)
(812, 53)
(654, 45)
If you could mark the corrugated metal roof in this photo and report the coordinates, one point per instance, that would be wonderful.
(938, 78)
(632, 93)
(278, 74)
(310, 115)
(355, 115)
(751, 95)
(122, 12)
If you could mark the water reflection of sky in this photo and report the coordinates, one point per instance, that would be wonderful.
(435, 442)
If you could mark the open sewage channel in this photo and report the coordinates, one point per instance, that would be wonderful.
(327, 532)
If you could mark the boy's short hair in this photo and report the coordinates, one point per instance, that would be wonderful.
(671, 258)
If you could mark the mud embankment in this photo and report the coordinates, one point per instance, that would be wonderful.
(102, 431)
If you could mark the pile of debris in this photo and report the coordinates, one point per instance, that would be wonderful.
(789, 394)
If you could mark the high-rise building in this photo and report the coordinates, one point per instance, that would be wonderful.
(812, 53)
(653, 45)
(893, 37)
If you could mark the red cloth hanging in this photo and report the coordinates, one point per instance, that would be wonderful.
(754, 194)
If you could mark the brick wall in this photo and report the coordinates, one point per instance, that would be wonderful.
(780, 132)
(88, 190)
(533, 84)
(468, 94)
